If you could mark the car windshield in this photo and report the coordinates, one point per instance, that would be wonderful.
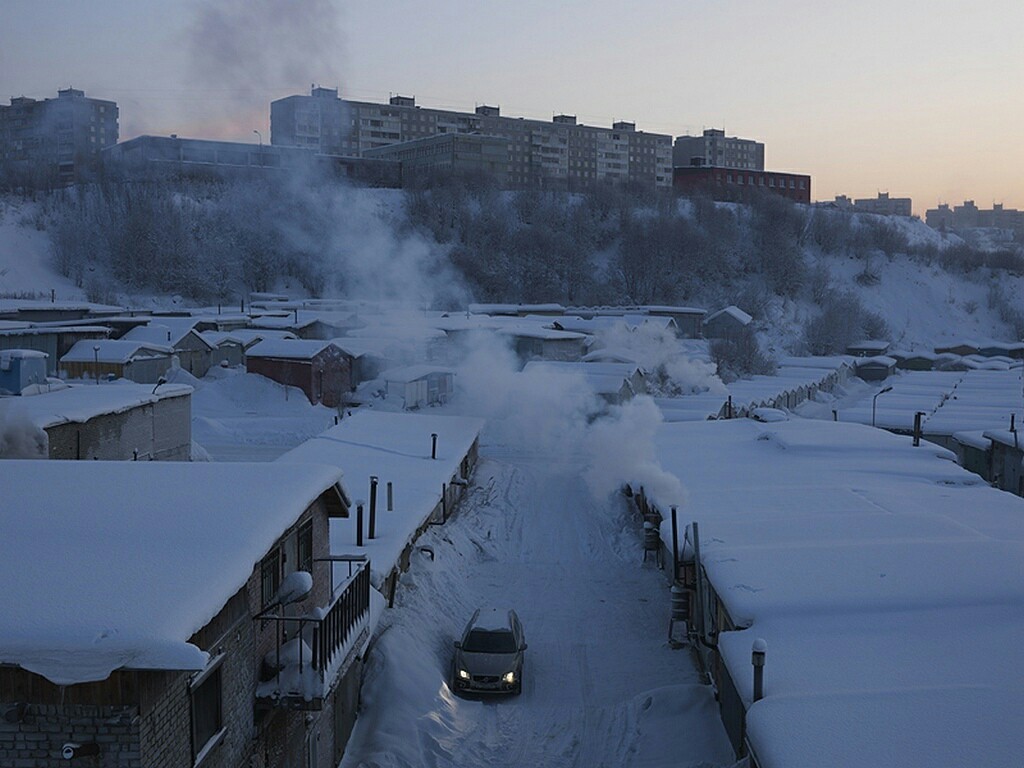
(483, 641)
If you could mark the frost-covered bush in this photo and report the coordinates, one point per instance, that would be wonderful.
(740, 355)
(842, 321)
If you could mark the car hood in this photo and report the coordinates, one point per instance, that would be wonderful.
(488, 663)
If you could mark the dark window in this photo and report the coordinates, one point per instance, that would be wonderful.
(270, 573)
(206, 710)
(482, 641)
(305, 558)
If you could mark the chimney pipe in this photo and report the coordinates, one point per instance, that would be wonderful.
(757, 654)
(373, 506)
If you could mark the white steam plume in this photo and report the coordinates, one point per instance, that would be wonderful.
(20, 438)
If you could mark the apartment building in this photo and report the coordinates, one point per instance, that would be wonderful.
(884, 205)
(970, 216)
(560, 154)
(713, 148)
(55, 142)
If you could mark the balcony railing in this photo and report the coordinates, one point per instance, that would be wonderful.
(311, 648)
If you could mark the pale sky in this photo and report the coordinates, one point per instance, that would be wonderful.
(917, 99)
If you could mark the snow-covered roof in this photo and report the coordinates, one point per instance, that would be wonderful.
(621, 370)
(21, 354)
(165, 334)
(409, 373)
(973, 439)
(878, 345)
(79, 403)
(1004, 437)
(113, 351)
(611, 355)
(734, 312)
(40, 329)
(217, 338)
(117, 564)
(544, 334)
(870, 629)
(396, 448)
(878, 360)
(289, 349)
(512, 309)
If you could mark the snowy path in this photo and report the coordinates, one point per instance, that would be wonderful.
(601, 687)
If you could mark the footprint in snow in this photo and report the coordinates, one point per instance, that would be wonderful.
(747, 588)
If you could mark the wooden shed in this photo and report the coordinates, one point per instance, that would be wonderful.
(192, 350)
(321, 369)
(876, 368)
(725, 323)
(419, 385)
(133, 360)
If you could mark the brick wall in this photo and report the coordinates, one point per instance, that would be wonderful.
(37, 740)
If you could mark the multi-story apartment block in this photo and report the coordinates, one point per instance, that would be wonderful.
(561, 154)
(55, 141)
(884, 205)
(713, 148)
(970, 216)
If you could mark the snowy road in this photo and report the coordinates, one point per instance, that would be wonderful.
(601, 686)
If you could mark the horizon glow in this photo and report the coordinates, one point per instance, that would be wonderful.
(903, 97)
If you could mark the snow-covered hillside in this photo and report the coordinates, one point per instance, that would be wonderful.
(25, 260)
(375, 252)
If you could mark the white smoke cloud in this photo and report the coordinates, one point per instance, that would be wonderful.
(553, 414)
(20, 438)
(657, 351)
(620, 450)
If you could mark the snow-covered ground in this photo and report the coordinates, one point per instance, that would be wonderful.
(601, 685)
(239, 416)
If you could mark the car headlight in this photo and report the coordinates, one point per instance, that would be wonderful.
(510, 677)
(463, 674)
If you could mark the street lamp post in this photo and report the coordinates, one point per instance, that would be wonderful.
(874, 401)
(259, 154)
(96, 361)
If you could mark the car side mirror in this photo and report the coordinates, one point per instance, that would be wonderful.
(458, 644)
(522, 647)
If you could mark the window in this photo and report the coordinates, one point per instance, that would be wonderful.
(270, 574)
(305, 550)
(207, 714)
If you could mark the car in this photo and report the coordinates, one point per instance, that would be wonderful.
(489, 657)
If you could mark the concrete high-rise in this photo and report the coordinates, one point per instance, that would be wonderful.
(560, 154)
(55, 142)
(714, 149)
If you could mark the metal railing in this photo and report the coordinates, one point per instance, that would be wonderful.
(334, 630)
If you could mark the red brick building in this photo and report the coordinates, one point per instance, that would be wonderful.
(738, 184)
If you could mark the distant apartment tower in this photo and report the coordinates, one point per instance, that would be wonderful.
(884, 205)
(560, 154)
(55, 142)
(970, 216)
(713, 148)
